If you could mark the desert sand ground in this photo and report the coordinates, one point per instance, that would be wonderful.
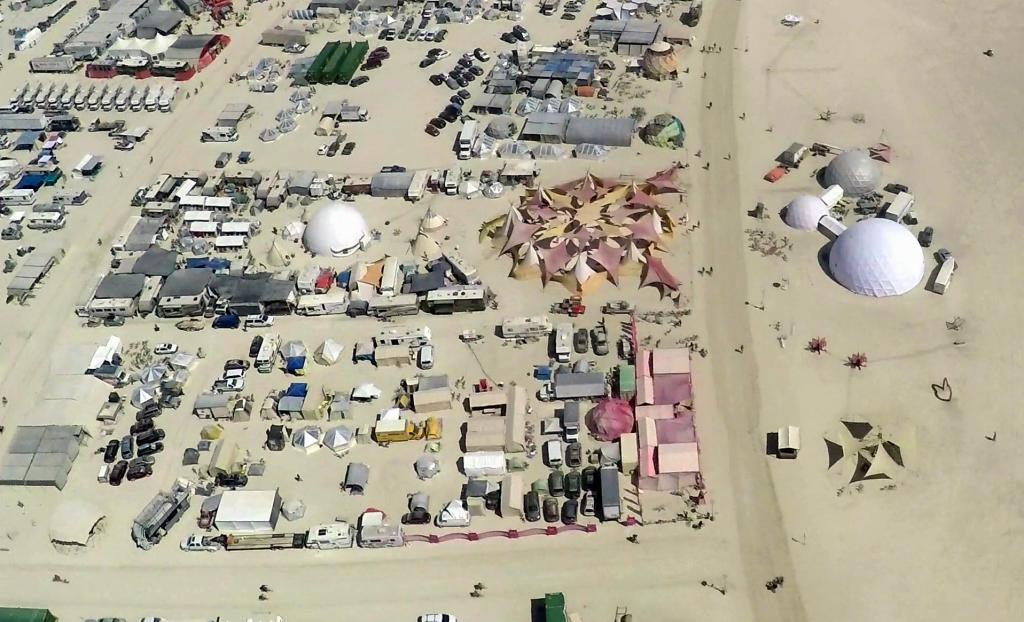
(938, 546)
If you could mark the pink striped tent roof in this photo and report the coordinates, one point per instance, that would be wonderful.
(656, 274)
(608, 256)
(520, 234)
(663, 181)
(555, 259)
(645, 228)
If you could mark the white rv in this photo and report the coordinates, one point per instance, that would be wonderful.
(563, 342)
(535, 326)
(219, 135)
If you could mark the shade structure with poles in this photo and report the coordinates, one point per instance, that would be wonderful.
(145, 394)
(339, 439)
(329, 352)
(427, 466)
(307, 439)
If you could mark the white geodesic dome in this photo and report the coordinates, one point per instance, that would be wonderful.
(855, 172)
(804, 212)
(335, 230)
(877, 257)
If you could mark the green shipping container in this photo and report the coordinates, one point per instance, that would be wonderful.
(626, 381)
(352, 61)
(315, 71)
(554, 607)
(330, 71)
(15, 614)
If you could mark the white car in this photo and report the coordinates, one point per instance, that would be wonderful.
(229, 385)
(199, 543)
(162, 349)
(439, 56)
(258, 321)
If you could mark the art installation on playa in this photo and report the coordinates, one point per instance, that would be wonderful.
(588, 231)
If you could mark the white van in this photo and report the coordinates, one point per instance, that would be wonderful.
(944, 276)
(425, 357)
(563, 342)
(553, 453)
(219, 135)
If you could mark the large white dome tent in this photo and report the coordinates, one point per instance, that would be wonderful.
(877, 257)
(335, 230)
(804, 212)
(855, 172)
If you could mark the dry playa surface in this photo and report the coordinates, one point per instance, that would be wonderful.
(937, 542)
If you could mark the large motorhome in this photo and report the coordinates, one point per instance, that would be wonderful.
(331, 303)
(403, 336)
(563, 342)
(456, 298)
(517, 327)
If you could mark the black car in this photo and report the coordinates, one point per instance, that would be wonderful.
(448, 116)
(232, 480)
(348, 149)
(531, 506)
(569, 16)
(465, 62)
(481, 55)
(550, 509)
(573, 455)
(392, 168)
(572, 485)
(437, 79)
(440, 35)
(361, 80)
(458, 101)
(589, 478)
(433, 131)
(117, 473)
(150, 410)
(464, 94)
(139, 470)
(110, 453)
(508, 37)
(127, 447)
(419, 516)
(426, 62)
(143, 425)
(236, 364)
(381, 52)
(150, 449)
(462, 81)
(255, 345)
(438, 123)
(451, 83)
(476, 71)
(373, 63)
(570, 510)
(556, 483)
(150, 436)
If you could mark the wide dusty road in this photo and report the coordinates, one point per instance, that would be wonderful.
(763, 544)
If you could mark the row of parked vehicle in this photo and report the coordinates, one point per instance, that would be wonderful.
(459, 76)
(579, 489)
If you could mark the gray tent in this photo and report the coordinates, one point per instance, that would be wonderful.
(501, 127)
(427, 466)
(610, 132)
(357, 478)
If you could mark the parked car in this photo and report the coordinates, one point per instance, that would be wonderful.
(476, 71)
(150, 449)
(925, 237)
(437, 79)
(426, 62)
(581, 341)
(588, 505)
(380, 52)
(556, 483)
(599, 337)
(531, 506)
(465, 62)
(127, 447)
(573, 455)
(259, 321)
(436, 617)
(451, 83)
(481, 55)
(425, 357)
(150, 436)
(458, 101)
(373, 63)
(572, 485)
(199, 543)
(439, 53)
(162, 349)
(348, 149)
(570, 510)
(143, 425)
(110, 453)
(464, 94)
(361, 80)
(232, 480)
(419, 516)
(229, 385)
(139, 470)
(588, 479)
(244, 157)
(255, 345)
(569, 17)
(550, 509)
(236, 364)
(117, 473)
(433, 131)
(439, 123)
(223, 159)
(508, 37)
(440, 35)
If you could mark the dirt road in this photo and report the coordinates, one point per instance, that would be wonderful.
(763, 542)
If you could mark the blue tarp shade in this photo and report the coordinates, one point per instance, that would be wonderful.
(213, 263)
(35, 181)
(26, 140)
(295, 363)
(297, 389)
(542, 372)
(343, 278)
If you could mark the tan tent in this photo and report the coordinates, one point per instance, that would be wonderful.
(432, 221)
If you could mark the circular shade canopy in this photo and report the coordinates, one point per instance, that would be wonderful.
(877, 257)
(336, 229)
(610, 419)
(855, 172)
(804, 212)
